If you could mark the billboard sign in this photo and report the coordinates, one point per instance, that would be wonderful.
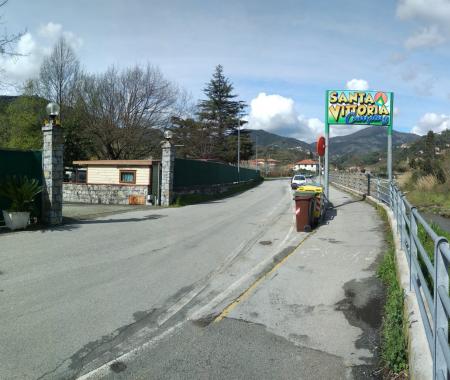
(359, 107)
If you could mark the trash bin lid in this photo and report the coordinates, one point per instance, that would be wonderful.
(310, 188)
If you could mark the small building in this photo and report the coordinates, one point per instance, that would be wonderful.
(111, 181)
(307, 165)
(260, 163)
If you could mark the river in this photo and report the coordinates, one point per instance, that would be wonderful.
(441, 221)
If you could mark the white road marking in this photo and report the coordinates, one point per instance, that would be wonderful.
(104, 369)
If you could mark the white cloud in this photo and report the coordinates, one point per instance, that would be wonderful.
(16, 69)
(357, 85)
(277, 114)
(434, 14)
(271, 112)
(432, 122)
(32, 50)
(51, 30)
(426, 37)
(427, 10)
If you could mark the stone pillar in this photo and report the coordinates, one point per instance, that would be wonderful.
(53, 170)
(167, 165)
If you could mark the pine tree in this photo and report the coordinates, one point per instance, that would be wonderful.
(220, 112)
(430, 145)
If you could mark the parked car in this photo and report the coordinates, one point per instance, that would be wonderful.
(298, 180)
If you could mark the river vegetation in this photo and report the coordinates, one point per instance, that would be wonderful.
(424, 173)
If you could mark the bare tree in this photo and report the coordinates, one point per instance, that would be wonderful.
(7, 48)
(125, 110)
(8, 41)
(59, 75)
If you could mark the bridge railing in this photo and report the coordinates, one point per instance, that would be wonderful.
(428, 257)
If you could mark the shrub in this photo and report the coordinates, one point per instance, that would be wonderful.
(427, 183)
(21, 191)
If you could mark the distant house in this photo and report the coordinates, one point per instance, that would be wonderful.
(260, 163)
(308, 165)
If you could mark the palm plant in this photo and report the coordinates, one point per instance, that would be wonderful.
(21, 191)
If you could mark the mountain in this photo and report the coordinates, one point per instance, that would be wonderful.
(366, 145)
(265, 139)
(367, 140)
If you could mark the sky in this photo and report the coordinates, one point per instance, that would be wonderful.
(280, 55)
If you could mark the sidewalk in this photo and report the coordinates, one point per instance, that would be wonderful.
(315, 316)
(326, 297)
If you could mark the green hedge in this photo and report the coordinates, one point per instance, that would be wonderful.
(204, 173)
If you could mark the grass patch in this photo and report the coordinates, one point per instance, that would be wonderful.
(427, 241)
(436, 200)
(189, 199)
(394, 353)
(428, 245)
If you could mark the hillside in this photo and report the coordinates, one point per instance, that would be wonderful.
(440, 142)
(364, 147)
(266, 139)
(368, 140)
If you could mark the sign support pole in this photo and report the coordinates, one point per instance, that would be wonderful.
(389, 153)
(327, 144)
(326, 166)
(320, 170)
(389, 156)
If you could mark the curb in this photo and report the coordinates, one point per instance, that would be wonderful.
(419, 356)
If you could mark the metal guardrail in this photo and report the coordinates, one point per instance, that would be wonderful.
(428, 269)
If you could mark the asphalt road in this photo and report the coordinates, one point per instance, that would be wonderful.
(315, 315)
(78, 296)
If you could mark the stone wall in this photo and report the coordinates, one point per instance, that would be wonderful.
(104, 194)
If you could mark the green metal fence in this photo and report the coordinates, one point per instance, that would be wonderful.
(20, 163)
(203, 173)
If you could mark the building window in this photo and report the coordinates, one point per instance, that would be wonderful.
(127, 176)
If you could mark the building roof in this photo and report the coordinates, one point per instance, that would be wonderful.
(261, 161)
(307, 162)
(114, 163)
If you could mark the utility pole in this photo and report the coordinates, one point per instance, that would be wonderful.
(239, 151)
(256, 151)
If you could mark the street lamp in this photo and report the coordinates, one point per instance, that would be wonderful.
(168, 135)
(52, 111)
